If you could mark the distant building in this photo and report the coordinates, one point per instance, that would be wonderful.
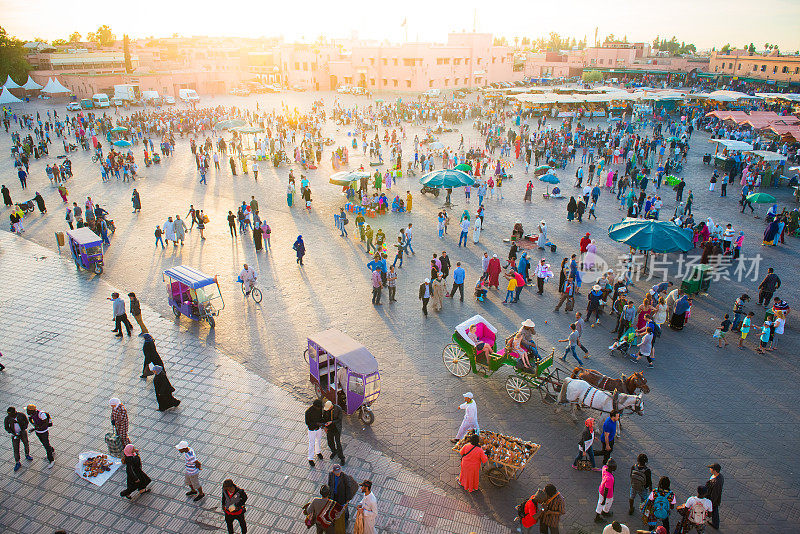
(772, 68)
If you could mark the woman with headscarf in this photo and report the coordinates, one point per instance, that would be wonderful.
(523, 266)
(163, 389)
(772, 212)
(563, 274)
(137, 479)
(300, 248)
(572, 207)
(682, 306)
(438, 292)
(493, 270)
(257, 236)
(472, 457)
(150, 356)
(770, 233)
(119, 419)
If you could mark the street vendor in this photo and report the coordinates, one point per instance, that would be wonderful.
(470, 421)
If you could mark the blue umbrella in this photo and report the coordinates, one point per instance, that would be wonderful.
(122, 143)
(549, 178)
(651, 235)
(447, 178)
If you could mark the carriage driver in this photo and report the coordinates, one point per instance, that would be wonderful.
(524, 338)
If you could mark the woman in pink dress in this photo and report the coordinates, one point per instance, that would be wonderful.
(610, 179)
(472, 457)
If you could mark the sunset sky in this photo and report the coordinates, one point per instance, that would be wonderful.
(706, 23)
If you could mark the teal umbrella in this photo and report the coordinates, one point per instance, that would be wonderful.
(447, 178)
(347, 177)
(652, 236)
(760, 198)
(118, 129)
(248, 129)
(229, 124)
(122, 143)
(549, 178)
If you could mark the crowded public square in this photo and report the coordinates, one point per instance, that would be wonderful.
(219, 301)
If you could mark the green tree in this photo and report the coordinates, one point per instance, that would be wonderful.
(59, 42)
(75, 37)
(592, 76)
(126, 49)
(12, 58)
(103, 36)
(526, 41)
(751, 49)
(656, 42)
(725, 49)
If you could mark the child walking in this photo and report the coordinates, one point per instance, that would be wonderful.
(724, 327)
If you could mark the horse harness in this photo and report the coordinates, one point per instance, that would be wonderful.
(594, 391)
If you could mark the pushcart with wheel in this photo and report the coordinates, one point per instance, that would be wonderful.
(343, 371)
(507, 455)
(461, 358)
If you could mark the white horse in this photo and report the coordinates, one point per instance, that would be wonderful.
(581, 394)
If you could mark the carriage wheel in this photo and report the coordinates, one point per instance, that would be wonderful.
(176, 311)
(518, 389)
(497, 477)
(551, 386)
(256, 295)
(317, 390)
(456, 360)
(98, 269)
(305, 355)
(366, 416)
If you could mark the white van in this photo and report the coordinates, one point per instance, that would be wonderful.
(101, 100)
(188, 95)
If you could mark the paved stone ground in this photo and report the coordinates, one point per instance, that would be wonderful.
(60, 354)
(706, 404)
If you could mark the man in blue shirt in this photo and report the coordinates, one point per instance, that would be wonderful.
(607, 435)
(458, 281)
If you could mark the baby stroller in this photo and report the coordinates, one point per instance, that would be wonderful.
(624, 343)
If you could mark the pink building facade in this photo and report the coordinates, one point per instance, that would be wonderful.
(467, 60)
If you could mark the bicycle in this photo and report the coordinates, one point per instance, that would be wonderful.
(254, 292)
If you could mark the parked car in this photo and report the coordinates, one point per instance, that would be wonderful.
(359, 91)
(432, 92)
(240, 91)
(344, 89)
(74, 106)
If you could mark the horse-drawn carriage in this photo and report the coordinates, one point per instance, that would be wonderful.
(585, 388)
(461, 357)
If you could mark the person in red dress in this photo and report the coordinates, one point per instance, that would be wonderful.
(494, 271)
(472, 457)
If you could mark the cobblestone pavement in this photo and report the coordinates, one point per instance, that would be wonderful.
(706, 404)
(240, 426)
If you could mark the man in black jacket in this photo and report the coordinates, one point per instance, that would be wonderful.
(314, 422)
(332, 421)
(714, 492)
(767, 287)
(15, 424)
(343, 488)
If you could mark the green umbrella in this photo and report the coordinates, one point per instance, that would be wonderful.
(229, 124)
(347, 177)
(651, 235)
(464, 167)
(447, 178)
(248, 129)
(760, 198)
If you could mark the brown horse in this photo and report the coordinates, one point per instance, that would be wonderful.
(627, 385)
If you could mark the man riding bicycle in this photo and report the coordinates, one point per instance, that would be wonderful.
(248, 277)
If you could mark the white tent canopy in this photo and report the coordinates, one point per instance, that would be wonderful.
(7, 98)
(54, 86)
(30, 85)
(11, 84)
(732, 144)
